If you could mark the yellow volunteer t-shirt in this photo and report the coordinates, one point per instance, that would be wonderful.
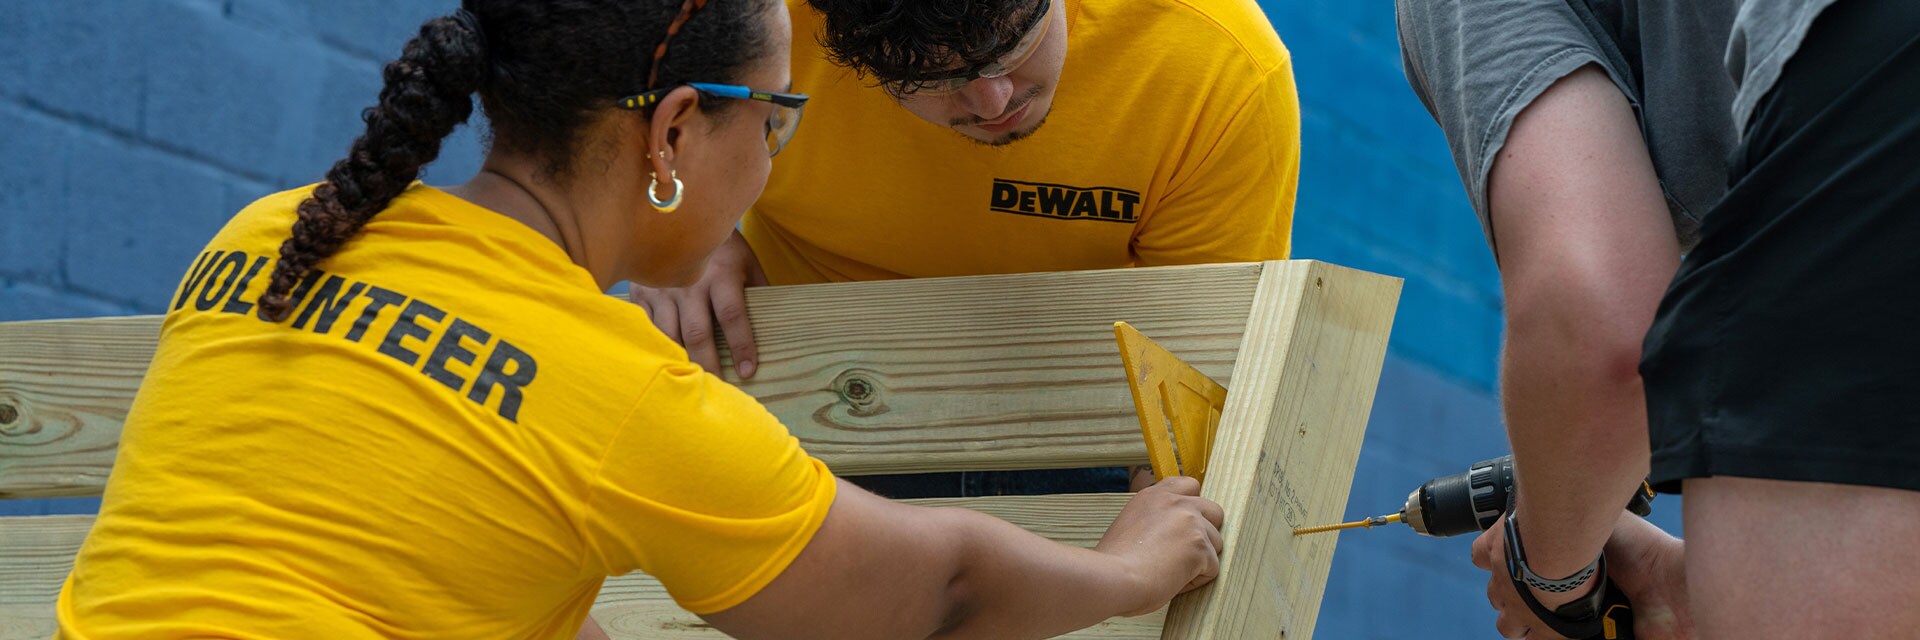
(1174, 138)
(454, 435)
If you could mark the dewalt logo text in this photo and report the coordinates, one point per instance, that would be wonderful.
(1068, 203)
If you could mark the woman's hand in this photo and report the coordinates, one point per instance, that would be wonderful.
(1169, 539)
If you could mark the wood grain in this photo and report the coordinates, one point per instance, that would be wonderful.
(1286, 447)
(65, 386)
(37, 552)
(985, 372)
(988, 372)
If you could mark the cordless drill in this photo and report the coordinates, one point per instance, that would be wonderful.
(1472, 501)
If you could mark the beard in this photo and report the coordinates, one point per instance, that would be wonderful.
(1012, 105)
(1015, 136)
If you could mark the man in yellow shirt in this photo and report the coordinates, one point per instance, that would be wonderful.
(1003, 136)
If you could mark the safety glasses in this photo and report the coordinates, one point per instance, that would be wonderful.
(1035, 32)
(781, 123)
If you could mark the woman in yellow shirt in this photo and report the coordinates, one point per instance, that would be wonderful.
(385, 410)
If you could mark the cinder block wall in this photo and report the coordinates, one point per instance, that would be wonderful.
(131, 129)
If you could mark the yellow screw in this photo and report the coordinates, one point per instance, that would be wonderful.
(1368, 523)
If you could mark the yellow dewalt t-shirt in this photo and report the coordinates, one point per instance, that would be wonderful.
(1174, 138)
(454, 435)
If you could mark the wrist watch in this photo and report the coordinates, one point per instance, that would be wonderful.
(1517, 559)
(1576, 619)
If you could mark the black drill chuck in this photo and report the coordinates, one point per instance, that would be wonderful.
(1470, 502)
(1463, 502)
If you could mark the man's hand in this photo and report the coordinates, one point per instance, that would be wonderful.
(590, 630)
(1516, 620)
(1642, 560)
(687, 315)
(1140, 477)
(1169, 539)
(1650, 568)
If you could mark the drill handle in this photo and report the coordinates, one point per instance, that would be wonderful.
(1616, 616)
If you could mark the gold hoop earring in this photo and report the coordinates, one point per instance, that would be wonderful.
(670, 204)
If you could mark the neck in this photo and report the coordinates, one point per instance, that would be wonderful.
(511, 190)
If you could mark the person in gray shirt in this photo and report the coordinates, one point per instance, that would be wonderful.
(1774, 373)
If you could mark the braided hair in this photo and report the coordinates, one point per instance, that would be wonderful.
(544, 71)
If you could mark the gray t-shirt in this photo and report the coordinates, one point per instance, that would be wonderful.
(1477, 64)
(1765, 35)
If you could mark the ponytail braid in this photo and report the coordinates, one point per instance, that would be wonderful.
(544, 71)
(428, 92)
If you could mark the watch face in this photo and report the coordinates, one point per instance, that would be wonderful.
(1516, 554)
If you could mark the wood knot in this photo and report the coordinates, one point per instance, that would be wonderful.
(860, 389)
(8, 413)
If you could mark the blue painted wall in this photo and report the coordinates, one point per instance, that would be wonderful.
(130, 130)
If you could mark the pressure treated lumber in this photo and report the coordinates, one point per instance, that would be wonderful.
(37, 552)
(65, 386)
(1287, 445)
(940, 374)
(974, 373)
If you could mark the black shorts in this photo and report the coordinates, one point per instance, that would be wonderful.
(1788, 345)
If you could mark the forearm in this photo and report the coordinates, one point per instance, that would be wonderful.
(882, 569)
(1014, 584)
(1577, 424)
(1586, 249)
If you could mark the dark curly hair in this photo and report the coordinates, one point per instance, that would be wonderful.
(903, 43)
(544, 71)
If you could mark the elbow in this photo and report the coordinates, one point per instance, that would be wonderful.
(1614, 361)
(957, 602)
(1588, 339)
(956, 608)
(1576, 364)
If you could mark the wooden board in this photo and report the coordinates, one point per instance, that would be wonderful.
(986, 372)
(37, 552)
(991, 372)
(35, 556)
(1286, 447)
(65, 386)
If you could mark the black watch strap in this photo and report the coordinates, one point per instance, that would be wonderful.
(1578, 619)
(1582, 618)
(1517, 556)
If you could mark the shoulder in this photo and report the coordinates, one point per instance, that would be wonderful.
(1216, 58)
(265, 220)
(1230, 32)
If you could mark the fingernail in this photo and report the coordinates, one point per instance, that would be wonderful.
(746, 368)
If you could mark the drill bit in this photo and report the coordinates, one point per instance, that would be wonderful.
(1368, 523)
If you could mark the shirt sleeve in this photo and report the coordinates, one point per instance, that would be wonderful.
(1236, 203)
(705, 490)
